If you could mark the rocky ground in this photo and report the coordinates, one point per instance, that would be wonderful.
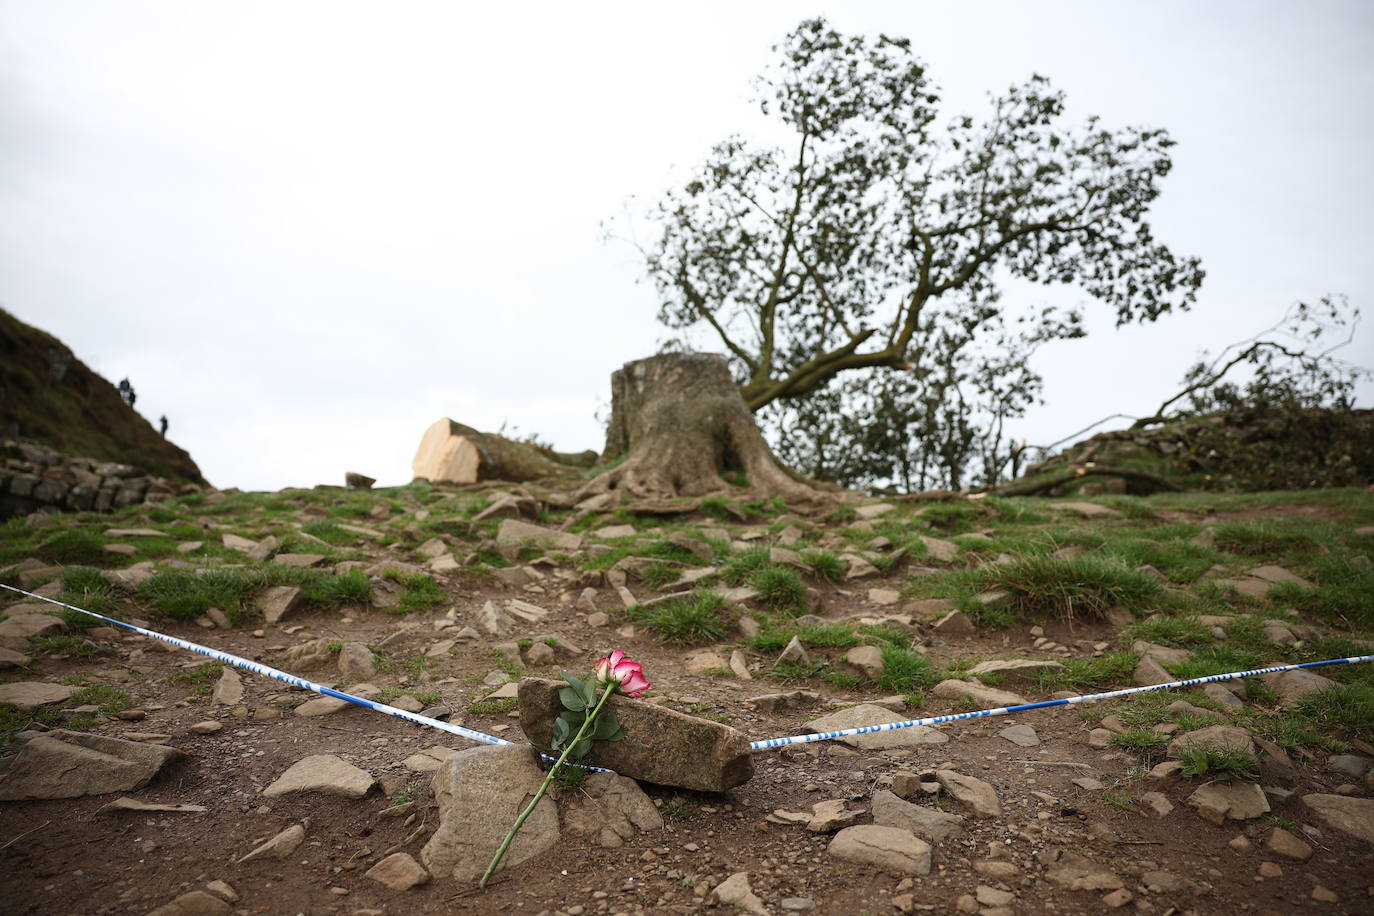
(139, 776)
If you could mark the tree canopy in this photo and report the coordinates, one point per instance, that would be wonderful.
(878, 232)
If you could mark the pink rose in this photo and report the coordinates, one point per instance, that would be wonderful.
(619, 668)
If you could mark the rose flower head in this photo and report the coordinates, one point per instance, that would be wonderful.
(618, 668)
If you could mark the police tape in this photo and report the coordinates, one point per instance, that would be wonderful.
(765, 744)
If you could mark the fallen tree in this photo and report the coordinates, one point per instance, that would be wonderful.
(453, 453)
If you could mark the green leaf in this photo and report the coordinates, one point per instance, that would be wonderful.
(581, 748)
(571, 699)
(589, 693)
(577, 684)
(561, 732)
(605, 727)
(617, 736)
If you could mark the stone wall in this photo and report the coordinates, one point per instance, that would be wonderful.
(34, 477)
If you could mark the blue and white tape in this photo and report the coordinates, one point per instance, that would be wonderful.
(766, 744)
(1043, 704)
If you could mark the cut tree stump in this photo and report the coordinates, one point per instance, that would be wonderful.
(678, 424)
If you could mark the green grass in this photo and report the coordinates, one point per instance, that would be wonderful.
(330, 533)
(1070, 587)
(74, 547)
(65, 644)
(1139, 738)
(199, 680)
(330, 591)
(703, 616)
(111, 700)
(904, 671)
(1348, 708)
(780, 589)
(1219, 659)
(660, 573)
(493, 707)
(1218, 764)
(738, 568)
(1181, 632)
(183, 594)
(1271, 537)
(1109, 669)
(825, 565)
(1342, 594)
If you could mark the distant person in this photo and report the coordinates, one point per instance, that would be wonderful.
(126, 391)
(163, 423)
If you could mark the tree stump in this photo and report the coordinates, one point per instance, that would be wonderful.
(678, 423)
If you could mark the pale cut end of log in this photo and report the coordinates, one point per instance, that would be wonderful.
(445, 456)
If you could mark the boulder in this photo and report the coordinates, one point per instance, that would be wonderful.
(398, 871)
(480, 792)
(22, 626)
(661, 745)
(64, 764)
(278, 601)
(1216, 737)
(515, 531)
(891, 849)
(866, 714)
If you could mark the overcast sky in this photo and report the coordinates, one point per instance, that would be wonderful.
(305, 231)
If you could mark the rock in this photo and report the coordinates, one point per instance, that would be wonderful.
(321, 706)
(610, 807)
(1158, 802)
(955, 623)
(356, 663)
(280, 846)
(1217, 737)
(193, 903)
(313, 654)
(927, 823)
(873, 510)
(1163, 654)
(884, 596)
(1117, 898)
(229, 688)
(1218, 693)
(208, 727)
(661, 745)
(1286, 844)
(1184, 708)
(704, 660)
(398, 871)
(794, 651)
(1076, 872)
(1217, 801)
(867, 659)
(611, 532)
(429, 759)
(939, 550)
(985, 697)
(541, 654)
(804, 904)
(1323, 894)
(739, 666)
(888, 848)
(234, 542)
(299, 560)
(1150, 672)
(1018, 669)
(991, 896)
(1278, 575)
(1292, 686)
(1020, 735)
(977, 795)
(735, 892)
(479, 792)
(323, 773)
(22, 626)
(9, 658)
(222, 890)
(868, 714)
(829, 816)
(1352, 816)
(278, 601)
(776, 702)
(1163, 882)
(125, 803)
(514, 531)
(29, 695)
(65, 764)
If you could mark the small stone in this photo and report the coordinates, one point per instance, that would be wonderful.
(976, 794)
(1216, 802)
(323, 773)
(29, 695)
(955, 689)
(991, 896)
(280, 846)
(1286, 844)
(797, 904)
(888, 848)
(955, 623)
(829, 816)
(222, 889)
(1270, 870)
(794, 652)
(229, 689)
(193, 903)
(1158, 802)
(1117, 898)
(398, 871)
(870, 714)
(1323, 894)
(735, 891)
(208, 727)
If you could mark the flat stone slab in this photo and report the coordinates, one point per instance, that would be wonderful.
(986, 697)
(323, 773)
(29, 695)
(1292, 686)
(868, 714)
(66, 764)
(891, 849)
(514, 531)
(927, 823)
(661, 746)
(1216, 737)
(22, 626)
(1352, 816)
(1241, 801)
(1016, 669)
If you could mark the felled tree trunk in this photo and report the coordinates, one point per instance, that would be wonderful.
(678, 423)
(453, 453)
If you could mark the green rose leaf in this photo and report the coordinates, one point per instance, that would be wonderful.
(605, 727)
(589, 693)
(577, 684)
(561, 732)
(571, 699)
(581, 748)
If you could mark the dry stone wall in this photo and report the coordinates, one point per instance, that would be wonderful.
(34, 477)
